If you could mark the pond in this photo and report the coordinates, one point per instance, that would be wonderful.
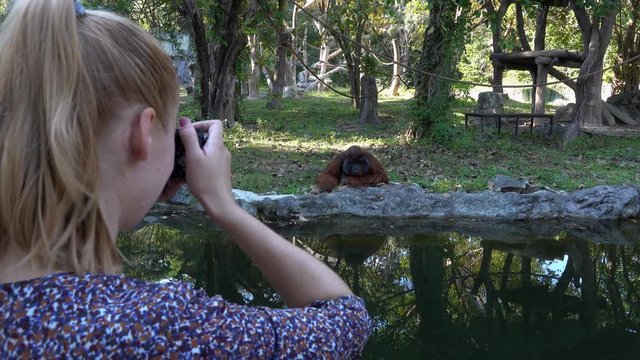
(437, 289)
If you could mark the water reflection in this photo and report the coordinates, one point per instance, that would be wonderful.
(439, 290)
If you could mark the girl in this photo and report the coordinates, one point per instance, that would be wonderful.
(87, 108)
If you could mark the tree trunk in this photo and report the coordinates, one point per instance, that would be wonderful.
(398, 69)
(541, 28)
(496, 35)
(217, 60)
(305, 53)
(543, 69)
(281, 63)
(324, 53)
(613, 288)
(268, 75)
(280, 74)
(196, 26)
(253, 80)
(436, 54)
(223, 102)
(426, 263)
(353, 72)
(437, 57)
(589, 89)
(369, 104)
(401, 55)
(352, 52)
(292, 72)
(541, 78)
(589, 287)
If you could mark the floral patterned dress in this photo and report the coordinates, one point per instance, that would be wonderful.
(112, 316)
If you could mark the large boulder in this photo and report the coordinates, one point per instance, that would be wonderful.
(491, 102)
(564, 114)
(292, 92)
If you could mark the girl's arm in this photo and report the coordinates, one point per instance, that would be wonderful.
(297, 276)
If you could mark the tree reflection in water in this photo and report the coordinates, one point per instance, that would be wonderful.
(443, 292)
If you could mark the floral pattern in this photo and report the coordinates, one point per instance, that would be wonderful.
(112, 316)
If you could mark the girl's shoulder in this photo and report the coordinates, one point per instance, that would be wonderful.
(98, 290)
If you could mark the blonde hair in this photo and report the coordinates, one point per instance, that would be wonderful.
(62, 77)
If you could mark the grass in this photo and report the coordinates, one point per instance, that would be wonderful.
(282, 151)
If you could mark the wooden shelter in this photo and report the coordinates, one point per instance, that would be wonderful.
(539, 64)
(535, 59)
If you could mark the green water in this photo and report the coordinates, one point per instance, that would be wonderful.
(438, 290)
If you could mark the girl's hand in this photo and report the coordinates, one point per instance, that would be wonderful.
(208, 170)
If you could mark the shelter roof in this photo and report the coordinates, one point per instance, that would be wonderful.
(526, 60)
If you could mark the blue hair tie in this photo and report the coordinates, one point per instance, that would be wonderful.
(80, 11)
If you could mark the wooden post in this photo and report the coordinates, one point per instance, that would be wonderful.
(544, 65)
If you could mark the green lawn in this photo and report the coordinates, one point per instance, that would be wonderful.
(282, 151)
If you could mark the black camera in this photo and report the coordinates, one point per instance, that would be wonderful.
(180, 162)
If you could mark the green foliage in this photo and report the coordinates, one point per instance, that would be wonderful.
(369, 64)
(3, 9)
(475, 64)
(561, 31)
(415, 15)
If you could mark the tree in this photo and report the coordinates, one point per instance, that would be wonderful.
(217, 32)
(369, 100)
(157, 16)
(349, 20)
(440, 53)
(596, 29)
(495, 20)
(284, 43)
(627, 35)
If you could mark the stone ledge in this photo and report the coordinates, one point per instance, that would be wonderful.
(411, 201)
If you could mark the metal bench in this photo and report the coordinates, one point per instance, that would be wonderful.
(516, 116)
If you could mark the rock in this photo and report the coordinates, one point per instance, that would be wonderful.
(303, 77)
(491, 102)
(409, 201)
(292, 92)
(564, 114)
(182, 197)
(502, 183)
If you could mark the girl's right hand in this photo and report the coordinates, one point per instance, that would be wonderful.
(208, 170)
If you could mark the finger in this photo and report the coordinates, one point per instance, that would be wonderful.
(188, 136)
(216, 135)
(204, 125)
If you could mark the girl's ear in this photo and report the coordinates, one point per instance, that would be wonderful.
(140, 140)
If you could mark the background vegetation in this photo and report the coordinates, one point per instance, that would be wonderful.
(421, 137)
(282, 151)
